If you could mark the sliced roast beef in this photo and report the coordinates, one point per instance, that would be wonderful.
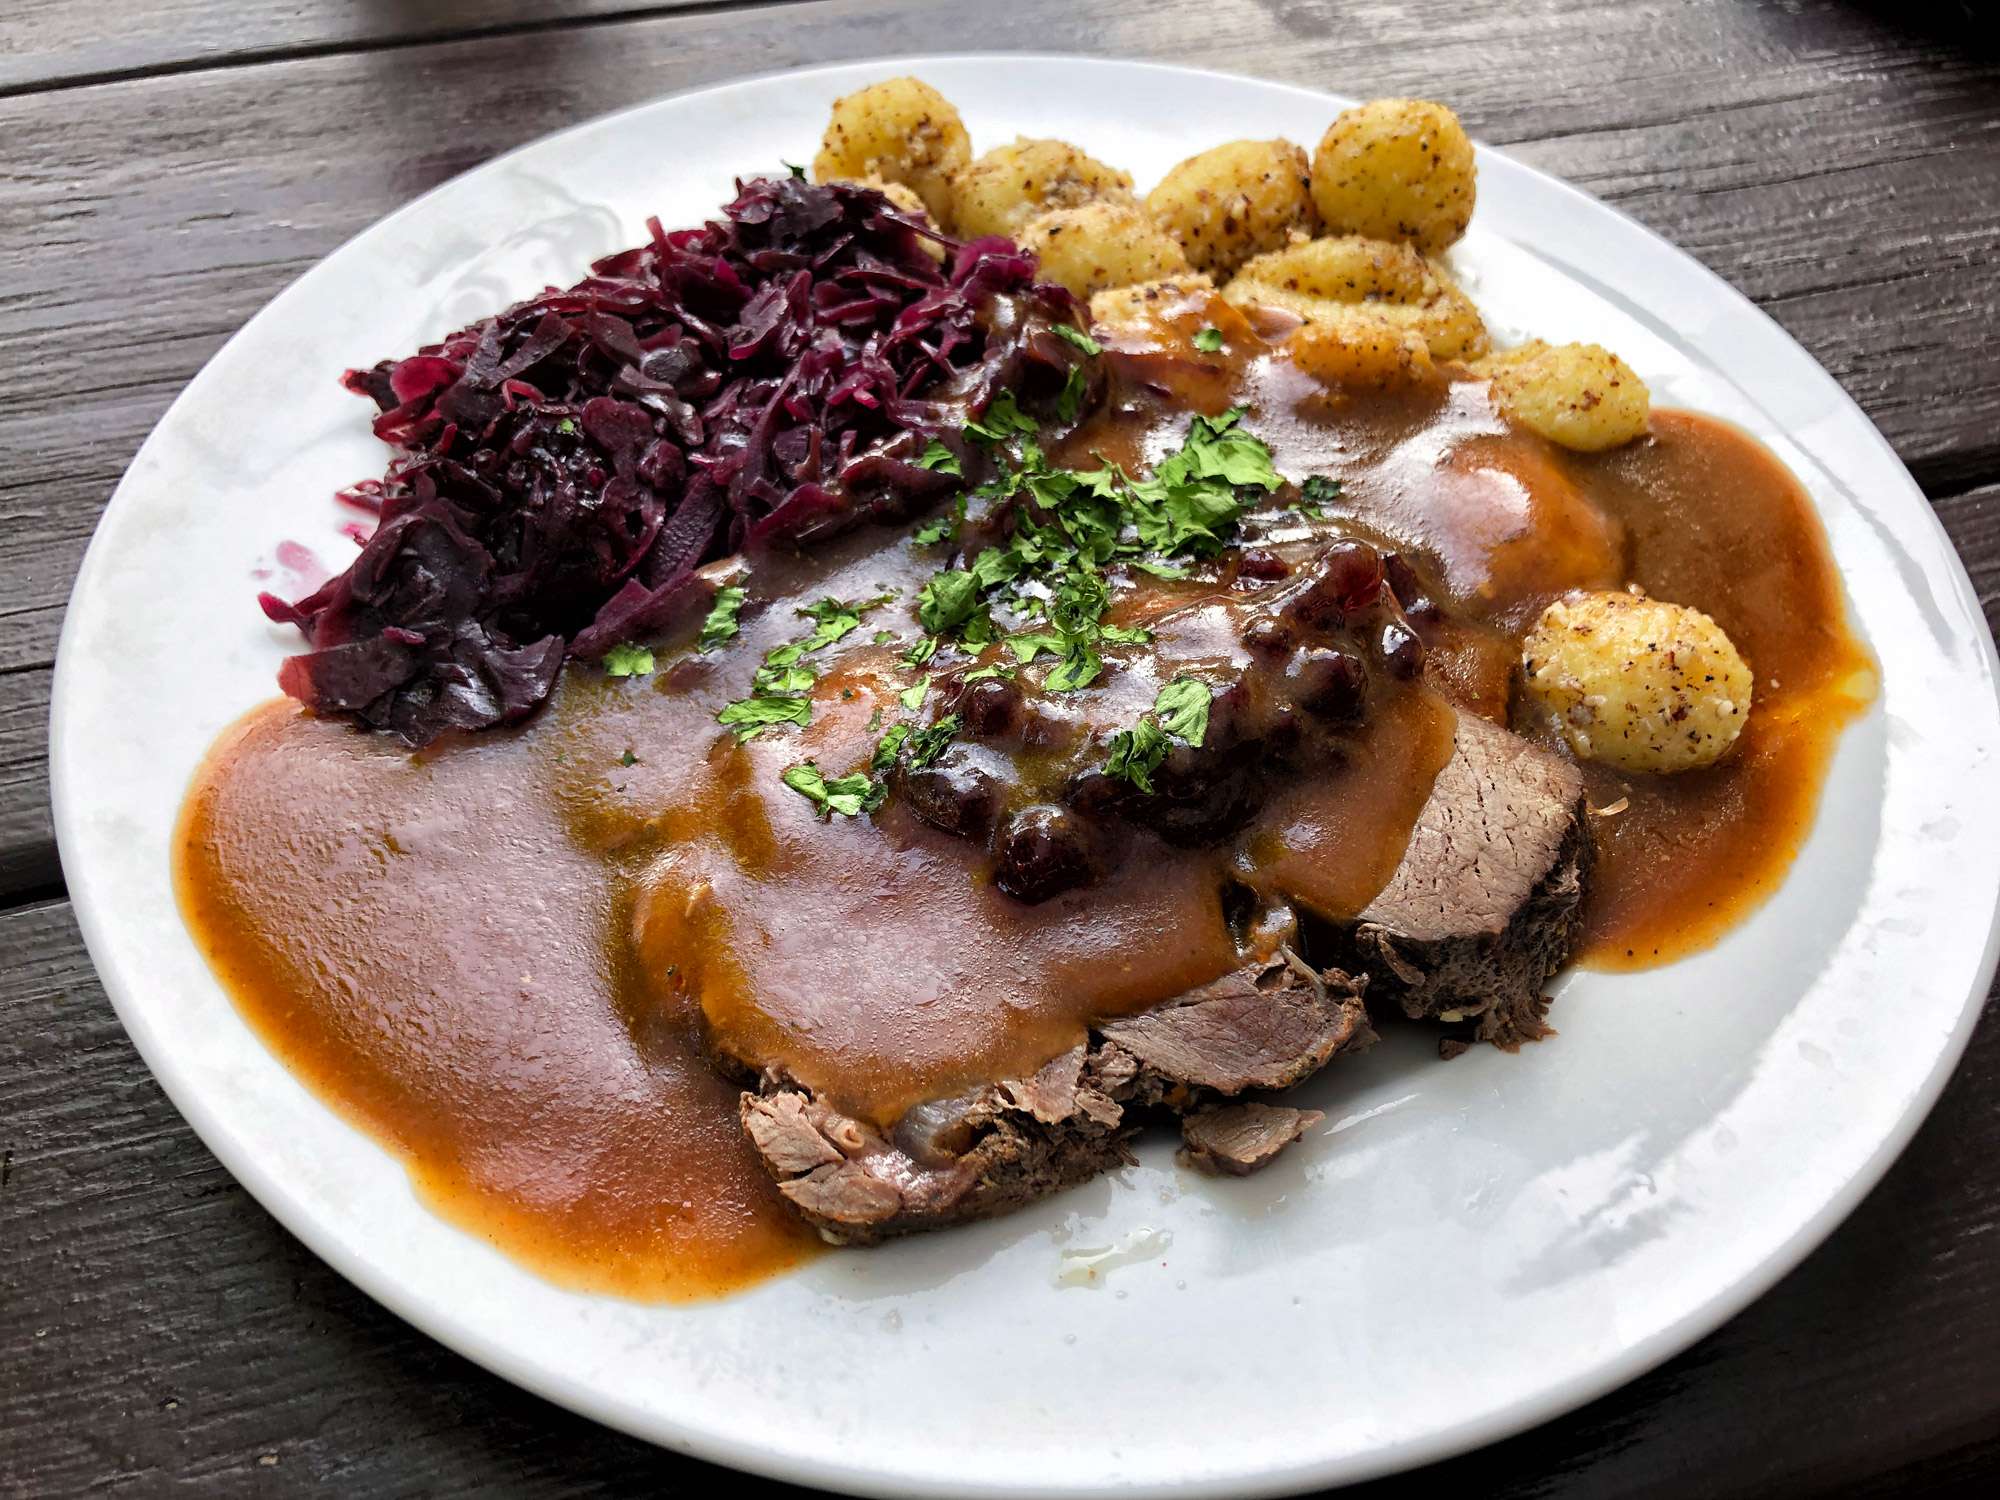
(1238, 1139)
(1484, 906)
(1007, 1144)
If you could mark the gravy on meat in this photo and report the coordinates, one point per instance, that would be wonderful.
(508, 957)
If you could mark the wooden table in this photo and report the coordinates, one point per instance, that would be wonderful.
(169, 167)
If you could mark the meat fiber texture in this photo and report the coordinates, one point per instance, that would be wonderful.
(1485, 905)
(562, 469)
(1000, 1147)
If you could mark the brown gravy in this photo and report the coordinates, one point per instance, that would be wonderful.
(495, 957)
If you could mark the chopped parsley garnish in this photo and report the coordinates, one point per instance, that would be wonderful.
(1066, 526)
(1003, 419)
(721, 622)
(628, 759)
(886, 748)
(1179, 712)
(1081, 339)
(853, 794)
(920, 653)
(778, 690)
(912, 697)
(926, 745)
(981, 674)
(1315, 495)
(748, 715)
(937, 529)
(627, 660)
(1208, 340)
(942, 459)
(884, 637)
(1074, 390)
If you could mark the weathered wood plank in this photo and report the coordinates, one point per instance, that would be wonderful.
(162, 1333)
(1973, 521)
(58, 43)
(27, 837)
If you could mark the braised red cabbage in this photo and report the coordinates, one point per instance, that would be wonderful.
(562, 469)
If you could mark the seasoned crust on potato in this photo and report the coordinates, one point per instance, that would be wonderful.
(1009, 185)
(901, 130)
(1397, 169)
(1236, 201)
(1579, 395)
(1362, 352)
(1636, 682)
(1100, 245)
(1350, 281)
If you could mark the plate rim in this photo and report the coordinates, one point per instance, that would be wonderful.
(1545, 1403)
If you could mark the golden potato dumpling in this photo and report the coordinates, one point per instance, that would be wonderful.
(1637, 683)
(1100, 245)
(1010, 185)
(1396, 169)
(1361, 352)
(900, 131)
(1169, 298)
(1350, 281)
(1236, 201)
(1579, 395)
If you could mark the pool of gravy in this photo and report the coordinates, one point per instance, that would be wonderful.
(514, 959)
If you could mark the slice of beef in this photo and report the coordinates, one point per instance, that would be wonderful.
(1006, 1144)
(1484, 906)
(1238, 1139)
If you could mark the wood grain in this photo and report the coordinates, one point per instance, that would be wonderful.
(51, 44)
(160, 1332)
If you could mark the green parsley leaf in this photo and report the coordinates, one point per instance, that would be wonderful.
(1125, 635)
(1003, 418)
(783, 672)
(1026, 647)
(1315, 495)
(1160, 570)
(912, 697)
(1081, 339)
(1137, 753)
(749, 715)
(980, 674)
(942, 459)
(627, 660)
(796, 171)
(851, 795)
(886, 748)
(1078, 669)
(1070, 402)
(628, 759)
(947, 601)
(1217, 448)
(833, 619)
(920, 653)
(566, 425)
(721, 622)
(884, 637)
(1182, 709)
(1208, 340)
(937, 529)
(926, 745)
(875, 719)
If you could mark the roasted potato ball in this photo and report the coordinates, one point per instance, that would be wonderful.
(1361, 352)
(1100, 245)
(1236, 201)
(902, 131)
(1579, 395)
(1637, 683)
(1396, 169)
(1350, 281)
(1010, 185)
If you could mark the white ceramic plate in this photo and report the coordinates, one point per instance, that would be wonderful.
(1468, 1249)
